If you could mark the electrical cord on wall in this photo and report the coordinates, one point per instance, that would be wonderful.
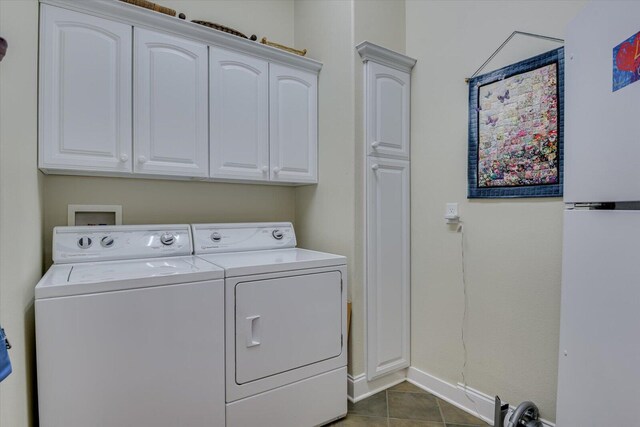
(464, 316)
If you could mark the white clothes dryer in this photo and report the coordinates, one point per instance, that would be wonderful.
(285, 311)
(129, 330)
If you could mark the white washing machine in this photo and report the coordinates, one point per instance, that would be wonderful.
(285, 314)
(129, 330)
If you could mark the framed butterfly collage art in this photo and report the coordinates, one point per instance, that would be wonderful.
(516, 129)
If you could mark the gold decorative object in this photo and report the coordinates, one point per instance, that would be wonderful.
(152, 6)
(302, 52)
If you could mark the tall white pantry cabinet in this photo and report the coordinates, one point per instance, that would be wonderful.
(125, 91)
(387, 77)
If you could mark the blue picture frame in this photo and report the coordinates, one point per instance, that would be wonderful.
(531, 164)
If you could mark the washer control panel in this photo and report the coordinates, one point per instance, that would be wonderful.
(101, 243)
(214, 238)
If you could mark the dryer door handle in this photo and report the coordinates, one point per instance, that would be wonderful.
(253, 331)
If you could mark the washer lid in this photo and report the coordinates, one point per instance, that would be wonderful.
(106, 276)
(272, 261)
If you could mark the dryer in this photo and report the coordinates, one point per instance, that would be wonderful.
(129, 330)
(285, 330)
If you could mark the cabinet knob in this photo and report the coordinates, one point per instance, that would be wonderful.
(375, 166)
(375, 144)
(265, 169)
(142, 159)
(276, 170)
(124, 157)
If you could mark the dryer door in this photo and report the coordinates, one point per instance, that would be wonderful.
(286, 323)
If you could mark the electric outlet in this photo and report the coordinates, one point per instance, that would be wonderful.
(451, 213)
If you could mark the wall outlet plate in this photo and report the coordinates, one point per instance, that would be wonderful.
(451, 213)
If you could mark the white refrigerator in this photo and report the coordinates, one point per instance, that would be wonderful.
(599, 360)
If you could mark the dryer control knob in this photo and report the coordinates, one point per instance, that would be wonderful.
(167, 239)
(277, 234)
(106, 241)
(216, 237)
(85, 242)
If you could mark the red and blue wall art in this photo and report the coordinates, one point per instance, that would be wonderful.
(626, 62)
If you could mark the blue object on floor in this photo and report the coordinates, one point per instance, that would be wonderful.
(5, 363)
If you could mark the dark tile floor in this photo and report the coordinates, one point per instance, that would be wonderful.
(406, 405)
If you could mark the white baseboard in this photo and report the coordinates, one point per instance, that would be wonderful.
(468, 399)
(359, 388)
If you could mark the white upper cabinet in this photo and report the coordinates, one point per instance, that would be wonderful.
(239, 116)
(85, 92)
(293, 120)
(183, 102)
(170, 105)
(388, 98)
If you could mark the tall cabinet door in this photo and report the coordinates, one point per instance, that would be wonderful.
(388, 266)
(239, 103)
(293, 99)
(85, 92)
(388, 98)
(170, 105)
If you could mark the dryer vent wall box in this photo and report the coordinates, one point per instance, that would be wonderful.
(94, 215)
(130, 330)
(279, 353)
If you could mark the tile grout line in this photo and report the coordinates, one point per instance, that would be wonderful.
(386, 395)
(444, 422)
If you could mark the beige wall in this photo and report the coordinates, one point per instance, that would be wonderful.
(20, 206)
(512, 247)
(330, 216)
(324, 213)
(164, 202)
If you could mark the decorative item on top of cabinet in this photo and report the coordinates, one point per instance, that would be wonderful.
(302, 52)
(151, 6)
(3, 48)
(224, 29)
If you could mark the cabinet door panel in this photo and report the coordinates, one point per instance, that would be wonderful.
(388, 111)
(293, 122)
(85, 92)
(170, 106)
(388, 266)
(239, 116)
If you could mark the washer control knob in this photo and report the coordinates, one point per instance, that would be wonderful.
(167, 239)
(277, 234)
(216, 237)
(106, 241)
(85, 242)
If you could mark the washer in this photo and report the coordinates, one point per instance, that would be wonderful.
(129, 330)
(285, 311)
